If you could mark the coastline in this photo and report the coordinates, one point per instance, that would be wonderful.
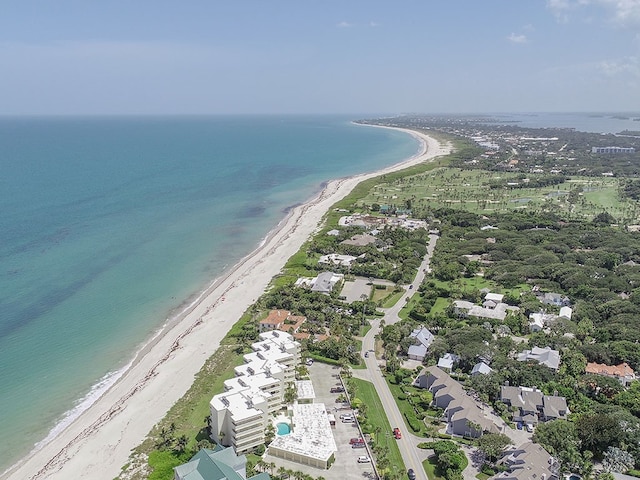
(101, 438)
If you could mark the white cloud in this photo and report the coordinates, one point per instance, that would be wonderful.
(344, 25)
(629, 66)
(374, 24)
(623, 13)
(514, 38)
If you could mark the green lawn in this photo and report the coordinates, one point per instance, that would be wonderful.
(404, 406)
(469, 190)
(432, 471)
(377, 418)
(440, 306)
(392, 299)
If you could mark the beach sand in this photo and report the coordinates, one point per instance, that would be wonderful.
(98, 443)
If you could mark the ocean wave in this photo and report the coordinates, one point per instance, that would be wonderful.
(83, 404)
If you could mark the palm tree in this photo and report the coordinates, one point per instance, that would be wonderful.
(181, 444)
(282, 472)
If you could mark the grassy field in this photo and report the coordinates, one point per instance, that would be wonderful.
(377, 418)
(469, 190)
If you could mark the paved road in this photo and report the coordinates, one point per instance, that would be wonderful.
(411, 455)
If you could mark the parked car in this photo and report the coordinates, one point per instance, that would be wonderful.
(337, 389)
(366, 354)
(397, 433)
(347, 420)
(411, 474)
(342, 415)
(519, 425)
(364, 459)
(358, 445)
(356, 440)
(529, 428)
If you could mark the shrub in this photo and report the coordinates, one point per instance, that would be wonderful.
(426, 445)
(487, 470)
(413, 422)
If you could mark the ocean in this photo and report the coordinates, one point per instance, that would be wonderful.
(109, 226)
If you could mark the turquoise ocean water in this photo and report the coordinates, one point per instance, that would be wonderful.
(108, 225)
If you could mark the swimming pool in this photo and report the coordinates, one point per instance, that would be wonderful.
(283, 428)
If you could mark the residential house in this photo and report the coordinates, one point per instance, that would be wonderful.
(448, 361)
(481, 368)
(532, 405)
(623, 372)
(544, 356)
(542, 319)
(338, 260)
(463, 414)
(554, 299)
(274, 320)
(360, 240)
(529, 461)
(423, 339)
(492, 308)
(282, 320)
(217, 464)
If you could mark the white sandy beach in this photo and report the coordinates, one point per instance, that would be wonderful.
(98, 443)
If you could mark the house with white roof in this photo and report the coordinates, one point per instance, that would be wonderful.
(448, 361)
(323, 283)
(492, 308)
(338, 259)
(481, 368)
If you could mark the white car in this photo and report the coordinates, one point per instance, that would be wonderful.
(364, 459)
(529, 428)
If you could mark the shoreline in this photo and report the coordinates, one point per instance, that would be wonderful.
(101, 438)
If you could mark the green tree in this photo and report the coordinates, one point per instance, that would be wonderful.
(598, 432)
(493, 444)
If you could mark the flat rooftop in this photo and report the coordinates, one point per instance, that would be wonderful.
(311, 435)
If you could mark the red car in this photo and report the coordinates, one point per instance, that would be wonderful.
(397, 434)
(356, 440)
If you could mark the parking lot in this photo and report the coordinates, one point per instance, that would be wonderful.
(346, 466)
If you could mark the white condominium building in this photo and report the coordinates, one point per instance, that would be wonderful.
(240, 415)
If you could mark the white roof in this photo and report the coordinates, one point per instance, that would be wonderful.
(305, 390)
(496, 297)
(311, 435)
(482, 368)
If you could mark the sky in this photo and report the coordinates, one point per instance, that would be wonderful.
(318, 56)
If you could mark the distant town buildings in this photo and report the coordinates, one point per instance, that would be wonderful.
(612, 150)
